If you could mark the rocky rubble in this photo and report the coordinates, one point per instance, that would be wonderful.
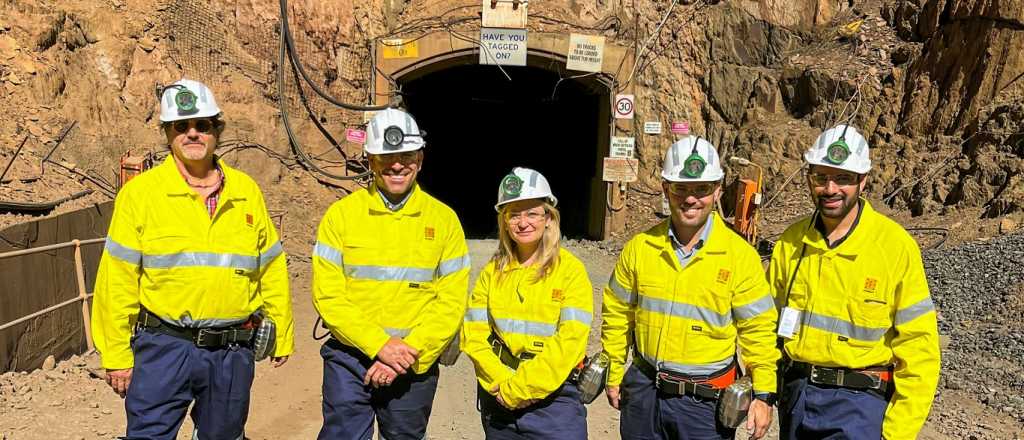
(978, 289)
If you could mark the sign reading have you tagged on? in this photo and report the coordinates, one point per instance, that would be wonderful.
(506, 47)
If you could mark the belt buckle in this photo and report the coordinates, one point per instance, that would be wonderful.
(876, 380)
(826, 376)
(208, 333)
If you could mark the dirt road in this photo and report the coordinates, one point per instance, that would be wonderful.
(67, 402)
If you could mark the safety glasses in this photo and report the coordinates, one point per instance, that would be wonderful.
(531, 217)
(699, 190)
(842, 179)
(204, 126)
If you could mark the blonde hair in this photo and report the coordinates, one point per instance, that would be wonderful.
(549, 243)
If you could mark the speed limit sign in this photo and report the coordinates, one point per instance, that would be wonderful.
(624, 106)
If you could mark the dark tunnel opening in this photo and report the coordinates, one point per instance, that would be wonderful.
(480, 125)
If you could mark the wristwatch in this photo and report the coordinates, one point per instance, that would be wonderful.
(769, 398)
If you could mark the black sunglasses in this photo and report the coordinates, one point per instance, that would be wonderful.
(201, 125)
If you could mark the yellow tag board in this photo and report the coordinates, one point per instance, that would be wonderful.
(399, 48)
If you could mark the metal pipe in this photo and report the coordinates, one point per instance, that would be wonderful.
(50, 247)
(82, 295)
(42, 312)
(13, 158)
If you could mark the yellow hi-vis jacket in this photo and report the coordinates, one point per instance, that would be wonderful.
(863, 303)
(549, 318)
(166, 254)
(379, 273)
(687, 320)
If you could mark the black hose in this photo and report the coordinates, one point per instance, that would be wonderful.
(283, 106)
(10, 206)
(286, 35)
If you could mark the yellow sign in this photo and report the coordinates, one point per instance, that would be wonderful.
(399, 48)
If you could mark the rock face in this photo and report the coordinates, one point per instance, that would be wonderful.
(759, 78)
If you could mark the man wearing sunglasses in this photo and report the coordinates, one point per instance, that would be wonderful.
(190, 280)
(680, 295)
(390, 281)
(858, 328)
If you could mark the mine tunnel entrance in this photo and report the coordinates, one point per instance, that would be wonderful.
(480, 125)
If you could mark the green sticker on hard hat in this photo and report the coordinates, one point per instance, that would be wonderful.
(837, 152)
(694, 165)
(511, 186)
(185, 100)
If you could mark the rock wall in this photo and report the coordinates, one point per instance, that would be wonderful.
(760, 79)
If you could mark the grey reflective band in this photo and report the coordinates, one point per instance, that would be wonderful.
(684, 310)
(199, 259)
(533, 179)
(329, 253)
(524, 327)
(475, 314)
(753, 309)
(843, 327)
(574, 314)
(450, 266)
(911, 313)
(123, 253)
(689, 369)
(275, 251)
(675, 155)
(626, 296)
(399, 332)
(386, 273)
(408, 126)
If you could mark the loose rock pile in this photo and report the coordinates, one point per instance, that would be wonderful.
(978, 289)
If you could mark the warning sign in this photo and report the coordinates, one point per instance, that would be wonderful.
(681, 127)
(586, 53)
(355, 136)
(620, 169)
(652, 127)
(506, 47)
(398, 48)
(624, 106)
(622, 146)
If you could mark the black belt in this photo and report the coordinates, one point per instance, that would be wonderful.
(670, 383)
(202, 337)
(842, 377)
(505, 354)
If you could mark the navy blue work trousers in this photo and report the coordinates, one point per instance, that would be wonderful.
(170, 373)
(349, 407)
(560, 416)
(809, 411)
(648, 414)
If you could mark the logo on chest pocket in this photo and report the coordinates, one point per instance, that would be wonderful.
(557, 295)
(870, 285)
(428, 233)
(723, 276)
(248, 220)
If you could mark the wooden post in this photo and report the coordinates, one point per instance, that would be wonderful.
(80, 272)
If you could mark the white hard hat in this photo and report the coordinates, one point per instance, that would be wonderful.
(692, 159)
(523, 184)
(187, 99)
(841, 147)
(393, 131)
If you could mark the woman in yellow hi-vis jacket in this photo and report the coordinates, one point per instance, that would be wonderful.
(528, 320)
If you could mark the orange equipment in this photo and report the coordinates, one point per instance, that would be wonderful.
(132, 166)
(748, 199)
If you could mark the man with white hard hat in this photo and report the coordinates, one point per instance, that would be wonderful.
(679, 297)
(390, 279)
(858, 327)
(192, 286)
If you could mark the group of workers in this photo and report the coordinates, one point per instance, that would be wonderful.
(193, 289)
